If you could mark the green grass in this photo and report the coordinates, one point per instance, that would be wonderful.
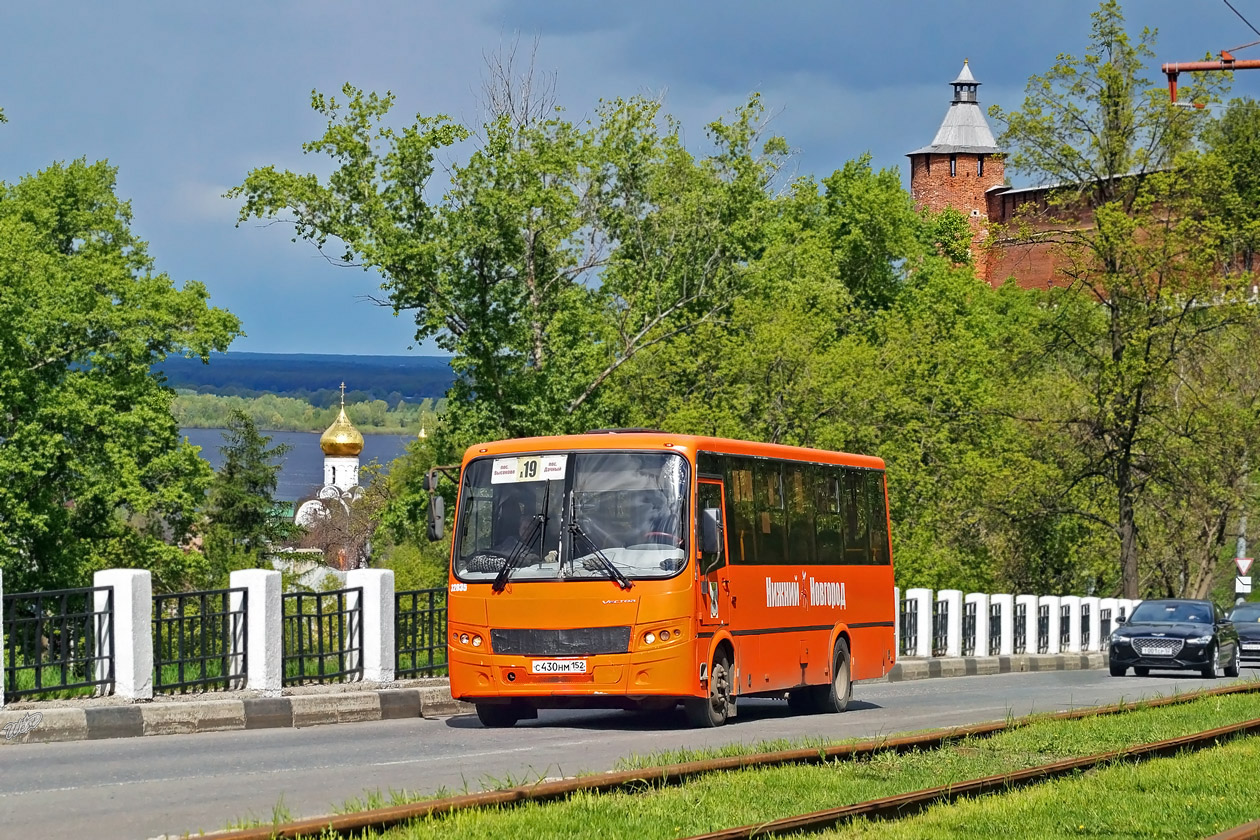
(50, 682)
(740, 798)
(1191, 795)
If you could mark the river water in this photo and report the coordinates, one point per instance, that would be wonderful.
(302, 470)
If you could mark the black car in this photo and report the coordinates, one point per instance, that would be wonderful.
(1246, 618)
(1176, 634)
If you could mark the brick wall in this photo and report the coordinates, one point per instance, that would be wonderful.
(933, 187)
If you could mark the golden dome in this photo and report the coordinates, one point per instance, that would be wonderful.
(341, 439)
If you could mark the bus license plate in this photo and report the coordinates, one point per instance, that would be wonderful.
(558, 666)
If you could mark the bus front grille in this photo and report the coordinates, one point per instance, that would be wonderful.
(580, 641)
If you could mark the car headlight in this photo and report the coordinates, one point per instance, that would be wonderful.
(1199, 640)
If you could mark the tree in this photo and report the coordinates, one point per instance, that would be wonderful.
(94, 471)
(559, 252)
(1139, 251)
(241, 504)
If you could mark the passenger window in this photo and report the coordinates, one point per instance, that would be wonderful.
(771, 524)
(857, 519)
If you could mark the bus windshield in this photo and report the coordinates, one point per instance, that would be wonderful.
(573, 516)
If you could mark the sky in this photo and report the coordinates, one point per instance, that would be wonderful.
(186, 98)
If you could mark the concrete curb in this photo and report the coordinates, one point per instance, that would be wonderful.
(966, 666)
(30, 725)
(35, 724)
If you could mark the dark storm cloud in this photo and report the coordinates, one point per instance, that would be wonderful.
(185, 99)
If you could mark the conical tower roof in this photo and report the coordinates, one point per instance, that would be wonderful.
(964, 128)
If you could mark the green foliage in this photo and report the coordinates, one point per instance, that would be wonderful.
(95, 475)
(242, 522)
(1140, 241)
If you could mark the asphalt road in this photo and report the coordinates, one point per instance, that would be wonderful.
(146, 787)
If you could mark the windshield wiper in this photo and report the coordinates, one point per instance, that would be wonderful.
(600, 558)
(521, 551)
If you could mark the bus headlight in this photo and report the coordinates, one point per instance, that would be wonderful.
(649, 638)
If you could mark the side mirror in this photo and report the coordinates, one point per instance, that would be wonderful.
(710, 531)
(1120, 619)
(437, 517)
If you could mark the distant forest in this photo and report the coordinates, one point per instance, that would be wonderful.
(316, 379)
(290, 414)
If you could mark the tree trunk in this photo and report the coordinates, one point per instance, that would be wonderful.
(1128, 532)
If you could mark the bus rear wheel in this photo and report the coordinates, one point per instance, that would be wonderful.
(830, 698)
(707, 712)
(498, 715)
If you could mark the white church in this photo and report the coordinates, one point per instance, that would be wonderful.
(342, 444)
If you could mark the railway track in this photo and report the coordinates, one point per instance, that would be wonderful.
(354, 824)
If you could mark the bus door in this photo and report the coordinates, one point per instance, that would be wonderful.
(715, 593)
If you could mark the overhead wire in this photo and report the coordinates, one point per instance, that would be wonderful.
(1240, 16)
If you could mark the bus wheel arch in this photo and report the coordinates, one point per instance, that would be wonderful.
(834, 695)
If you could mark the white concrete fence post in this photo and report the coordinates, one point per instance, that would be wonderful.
(265, 620)
(923, 610)
(1112, 607)
(1052, 628)
(131, 628)
(981, 601)
(377, 610)
(1006, 622)
(1029, 603)
(896, 630)
(1073, 604)
(953, 620)
(1091, 604)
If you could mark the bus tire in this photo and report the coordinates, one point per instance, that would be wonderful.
(498, 715)
(835, 697)
(707, 712)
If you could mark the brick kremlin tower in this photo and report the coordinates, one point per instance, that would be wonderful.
(962, 164)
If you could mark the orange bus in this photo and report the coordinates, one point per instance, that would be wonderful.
(637, 569)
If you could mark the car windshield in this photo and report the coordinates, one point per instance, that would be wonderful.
(1245, 613)
(563, 516)
(1160, 611)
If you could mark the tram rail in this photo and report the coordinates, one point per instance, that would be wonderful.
(354, 824)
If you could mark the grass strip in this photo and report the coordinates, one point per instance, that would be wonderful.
(738, 798)
(1190, 795)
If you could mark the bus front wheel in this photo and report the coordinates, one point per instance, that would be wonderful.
(713, 710)
(498, 715)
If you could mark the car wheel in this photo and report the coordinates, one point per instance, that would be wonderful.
(1234, 666)
(1117, 670)
(707, 712)
(1212, 669)
(1141, 672)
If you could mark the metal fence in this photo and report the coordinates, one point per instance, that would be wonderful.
(199, 640)
(909, 626)
(59, 641)
(1043, 628)
(1065, 627)
(940, 627)
(420, 633)
(969, 629)
(1104, 625)
(323, 636)
(1021, 629)
(1086, 638)
(995, 629)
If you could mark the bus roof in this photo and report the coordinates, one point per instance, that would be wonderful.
(641, 439)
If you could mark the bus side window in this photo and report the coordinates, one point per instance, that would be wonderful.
(879, 518)
(740, 538)
(771, 524)
(829, 516)
(857, 516)
(800, 504)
